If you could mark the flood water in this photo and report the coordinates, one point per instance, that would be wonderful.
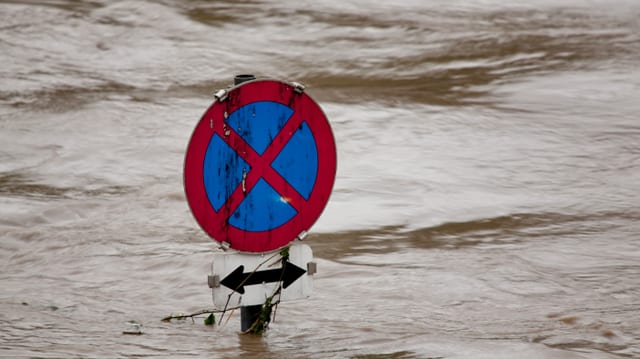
(486, 205)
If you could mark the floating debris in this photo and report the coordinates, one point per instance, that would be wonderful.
(134, 328)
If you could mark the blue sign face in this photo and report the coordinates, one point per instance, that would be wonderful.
(263, 208)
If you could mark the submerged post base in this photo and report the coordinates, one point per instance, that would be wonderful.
(248, 316)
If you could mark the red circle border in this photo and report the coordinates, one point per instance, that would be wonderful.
(215, 223)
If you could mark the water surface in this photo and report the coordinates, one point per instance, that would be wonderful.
(486, 203)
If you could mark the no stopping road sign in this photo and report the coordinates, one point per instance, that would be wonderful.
(260, 166)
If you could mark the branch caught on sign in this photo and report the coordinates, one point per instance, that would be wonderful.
(245, 280)
(268, 311)
(261, 324)
(181, 316)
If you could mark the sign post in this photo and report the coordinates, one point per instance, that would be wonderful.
(259, 169)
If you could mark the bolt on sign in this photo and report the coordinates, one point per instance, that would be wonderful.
(260, 166)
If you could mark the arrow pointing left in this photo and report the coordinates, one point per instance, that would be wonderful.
(237, 279)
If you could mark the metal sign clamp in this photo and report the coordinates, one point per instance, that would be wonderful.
(220, 95)
(297, 87)
(312, 268)
(213, 281)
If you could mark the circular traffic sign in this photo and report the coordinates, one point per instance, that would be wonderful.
(260, 166)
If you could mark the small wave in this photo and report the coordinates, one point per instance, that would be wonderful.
(506, 229)
(17, 184)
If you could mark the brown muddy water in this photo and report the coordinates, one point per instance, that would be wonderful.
(487, 200)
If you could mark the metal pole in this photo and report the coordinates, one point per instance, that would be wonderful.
(248, 314)
(243, 78)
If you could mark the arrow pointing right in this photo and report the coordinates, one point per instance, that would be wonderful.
(237, 279)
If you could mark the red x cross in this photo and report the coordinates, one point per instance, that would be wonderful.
(261, 164)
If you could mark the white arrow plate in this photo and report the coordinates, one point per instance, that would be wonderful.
(268, 268)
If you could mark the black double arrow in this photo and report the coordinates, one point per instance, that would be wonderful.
(237, 279)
